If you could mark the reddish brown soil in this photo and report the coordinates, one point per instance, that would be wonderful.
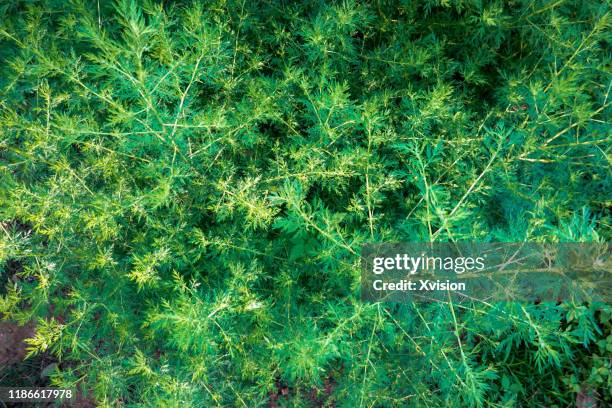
(12, 345)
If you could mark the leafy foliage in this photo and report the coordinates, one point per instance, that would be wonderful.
(185, 187)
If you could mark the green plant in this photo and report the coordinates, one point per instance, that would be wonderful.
(185, 187)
